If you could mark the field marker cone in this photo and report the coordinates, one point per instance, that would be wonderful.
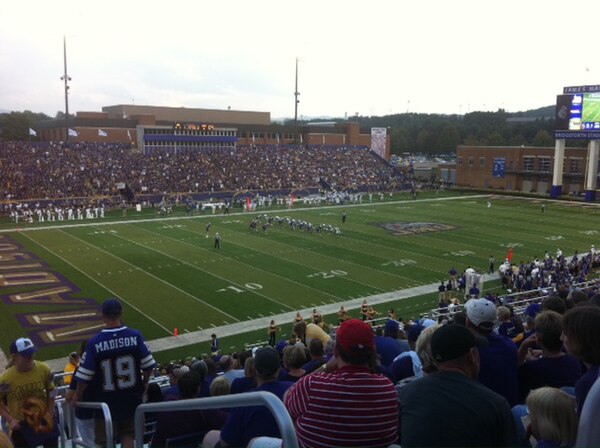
(176, 332)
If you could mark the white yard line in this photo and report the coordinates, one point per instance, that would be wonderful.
(155, 277)
(103, 286)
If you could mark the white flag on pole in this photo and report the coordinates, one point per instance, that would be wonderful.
(73, 133)
(102, 133)
(32, 132)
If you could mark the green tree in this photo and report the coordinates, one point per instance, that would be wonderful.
(517, 140)
(495, 139)
(542, 139)
(472, 140)
(401, 140)
(60, 115)
(15, 126)
(448, 139)
(424, 141)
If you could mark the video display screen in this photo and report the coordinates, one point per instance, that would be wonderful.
(578, 112)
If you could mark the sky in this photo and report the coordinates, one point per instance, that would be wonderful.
(369, 58)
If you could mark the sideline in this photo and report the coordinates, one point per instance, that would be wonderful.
(110, 222)
(200, 336)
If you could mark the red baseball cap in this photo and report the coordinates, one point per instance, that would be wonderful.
(355, 336)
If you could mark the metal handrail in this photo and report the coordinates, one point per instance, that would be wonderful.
(519, 305)
(62, 436)
(70, 417)
(272, 402)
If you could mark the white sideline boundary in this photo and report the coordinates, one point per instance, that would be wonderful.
(98, 222)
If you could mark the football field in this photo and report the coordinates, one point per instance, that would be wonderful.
(170, 276)
(591, 110)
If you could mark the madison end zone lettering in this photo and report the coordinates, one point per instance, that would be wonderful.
(65, 319)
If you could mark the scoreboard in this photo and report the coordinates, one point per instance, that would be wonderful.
(193, 127)
(578, 113)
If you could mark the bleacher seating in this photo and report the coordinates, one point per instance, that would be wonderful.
(85, 170)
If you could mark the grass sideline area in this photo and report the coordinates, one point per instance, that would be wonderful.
(169, 275)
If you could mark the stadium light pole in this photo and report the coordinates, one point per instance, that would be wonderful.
(296, 101)
(66, 79)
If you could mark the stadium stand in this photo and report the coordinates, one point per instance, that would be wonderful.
(52, 171)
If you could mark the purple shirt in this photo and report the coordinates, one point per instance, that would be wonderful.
(553, 372)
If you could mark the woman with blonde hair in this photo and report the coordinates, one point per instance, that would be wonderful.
(219, 386)
(553, 417)
(510, 325)
(294, 357)
(422, 361)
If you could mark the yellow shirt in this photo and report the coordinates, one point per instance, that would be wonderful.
(313, 331)
(69, 369)
(19, 386)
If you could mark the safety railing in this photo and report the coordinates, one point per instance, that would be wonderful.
(516, 299)
(69, 418)
(62, 435)
(272, 402)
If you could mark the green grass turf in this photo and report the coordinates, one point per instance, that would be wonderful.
(591, 110)
(169, 275)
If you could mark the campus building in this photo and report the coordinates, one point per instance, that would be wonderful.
(179, 129)
(527, 169)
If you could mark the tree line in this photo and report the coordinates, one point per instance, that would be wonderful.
(410, 132)
(441, 134)
(14, 126)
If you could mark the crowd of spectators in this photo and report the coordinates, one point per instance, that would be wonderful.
(465, 386)
(503, 378)
(541, 273)
(54, 171)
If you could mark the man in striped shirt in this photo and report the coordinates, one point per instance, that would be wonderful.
(344, 403)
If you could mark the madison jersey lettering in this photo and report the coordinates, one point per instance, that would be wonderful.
(114, 344)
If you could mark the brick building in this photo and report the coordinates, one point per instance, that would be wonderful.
(140, 125)
(526, 169)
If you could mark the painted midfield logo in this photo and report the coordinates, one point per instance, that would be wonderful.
(410, 228)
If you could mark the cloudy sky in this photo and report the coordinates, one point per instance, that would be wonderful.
(372, 58)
